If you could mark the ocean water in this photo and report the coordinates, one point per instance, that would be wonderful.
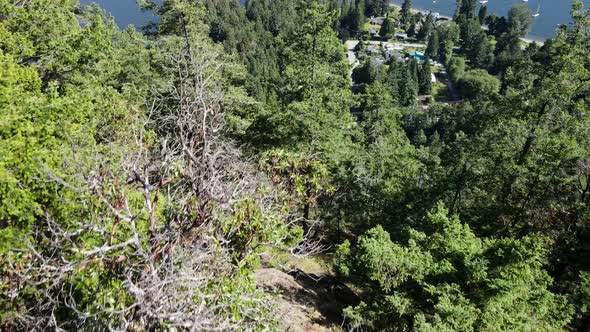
(126, 12)
(552, 12)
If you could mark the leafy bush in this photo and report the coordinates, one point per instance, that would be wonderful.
(445, 278)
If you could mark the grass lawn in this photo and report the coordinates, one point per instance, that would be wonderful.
(493, 41)
(441, 92)
(368, 26)
(320, 264)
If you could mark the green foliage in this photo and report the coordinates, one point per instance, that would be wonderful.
(432, 48)
(72, 100)
(475, 44)
(457, 68)
(448, 35)
(408, 84)
(583, 292)
(478, 84)
(387, 29)
(406, 14)
(376, 7)
(482, 14)
(300, 174)
(511, 159)
(425, 81)
(520, 18)
(444, 278)
(366, 73)
(250, 227)
(426, 28)
(466, 8)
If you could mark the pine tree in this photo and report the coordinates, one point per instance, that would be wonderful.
(427, 27)
(387, 29)
(425, 82)
(482, 14)
(432, 47)
(408, 87)
(406, 14)
(450, 277)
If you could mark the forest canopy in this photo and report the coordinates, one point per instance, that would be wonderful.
(152, 178)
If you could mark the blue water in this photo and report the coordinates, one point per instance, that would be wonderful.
(125, 12)
(553, 12)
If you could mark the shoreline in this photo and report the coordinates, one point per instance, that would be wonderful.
(528, 39)
(423, 11)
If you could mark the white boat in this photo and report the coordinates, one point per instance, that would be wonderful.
(537, 14)
(483, 2)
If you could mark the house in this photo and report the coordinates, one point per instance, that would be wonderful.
(392, 54)
(377, 61)
(393, 47)
(401, 36)
(373, 50)
(417, 55)
(398, 57)
(374, 33)
(377, 20)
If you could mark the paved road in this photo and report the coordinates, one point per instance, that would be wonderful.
(351, 44)
(351, 55)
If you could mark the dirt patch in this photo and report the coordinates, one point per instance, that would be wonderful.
(307, 302)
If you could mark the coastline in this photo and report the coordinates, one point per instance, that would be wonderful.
(418, 10)
(529, 39)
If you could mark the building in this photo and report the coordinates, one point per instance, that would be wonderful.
(373, 50)
(393, 47)
(417, 55)
(389, 54)
(401, 36)
(377, 20)
(377, 61)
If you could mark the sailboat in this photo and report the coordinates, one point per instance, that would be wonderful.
(537, 13)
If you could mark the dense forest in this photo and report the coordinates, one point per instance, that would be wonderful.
(148, 175)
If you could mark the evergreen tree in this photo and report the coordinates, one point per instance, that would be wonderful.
(476, 45)
(448, 35)
(432, 47)
(408, 85)
(357, 17)
(406, 14)
(482, 14)
(520, 14)
(478, 84)
(442, 277)
(425, 81)
(466, 8)
(427, 27)
(387, 29)
(508, 48)
(365, 73)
